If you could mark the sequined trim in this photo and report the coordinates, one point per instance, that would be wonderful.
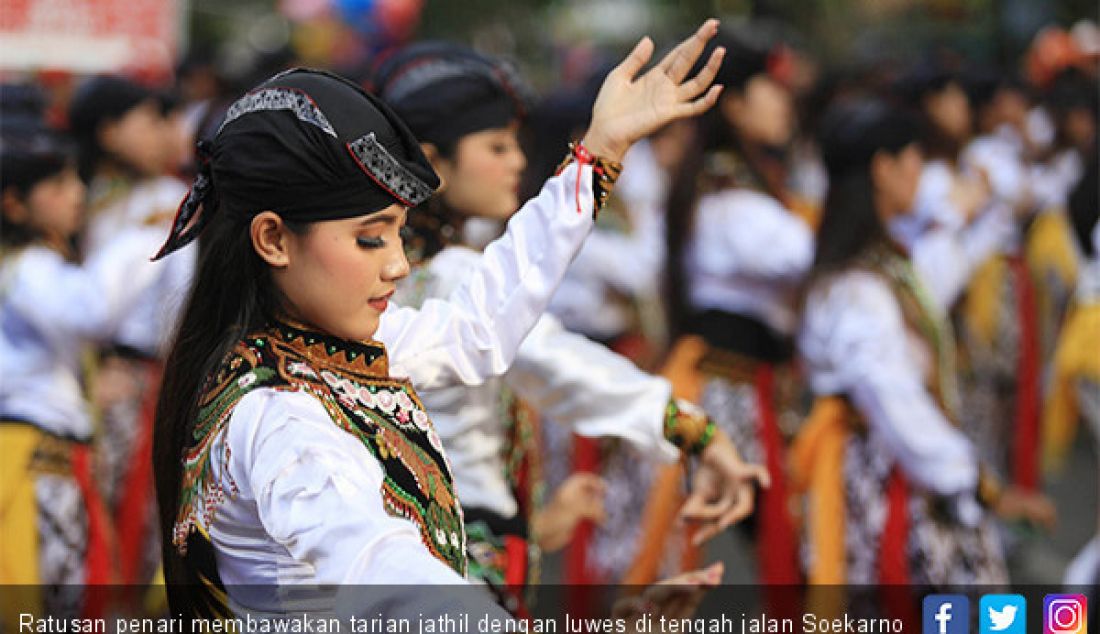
(279, 99)
(385, 170)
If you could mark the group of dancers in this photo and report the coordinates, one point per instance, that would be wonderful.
(357, 358)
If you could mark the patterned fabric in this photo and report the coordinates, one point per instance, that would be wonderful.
(351, 381)
(941, 553)
(291, 99)
(44, 523)
(388, 172)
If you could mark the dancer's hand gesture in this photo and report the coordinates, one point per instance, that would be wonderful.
(630, 107)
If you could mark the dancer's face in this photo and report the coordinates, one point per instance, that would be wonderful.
(483, 176)
(895, 178)
(949, 110)
(53, 208)
(338, 275)
(761, 113)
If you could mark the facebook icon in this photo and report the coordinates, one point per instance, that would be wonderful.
(946, 614)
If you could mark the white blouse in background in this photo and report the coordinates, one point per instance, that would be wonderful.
(50, 309)
(150, 203)
(568, 378)
(855, 342)
(747, 255)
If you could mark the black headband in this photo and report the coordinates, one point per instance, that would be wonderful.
(310, 146)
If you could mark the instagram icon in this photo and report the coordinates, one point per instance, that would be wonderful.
(1065, 614)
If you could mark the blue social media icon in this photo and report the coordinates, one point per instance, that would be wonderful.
(946, 614)
(1002, 614)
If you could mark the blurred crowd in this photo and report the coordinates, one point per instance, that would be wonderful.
(882, 282)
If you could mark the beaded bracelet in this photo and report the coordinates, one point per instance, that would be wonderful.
(688, 427)
(604, 175)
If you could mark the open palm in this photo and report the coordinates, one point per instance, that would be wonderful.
(630, 107)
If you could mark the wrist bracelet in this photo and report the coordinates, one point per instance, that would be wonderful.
(688, 427)
(604, 175)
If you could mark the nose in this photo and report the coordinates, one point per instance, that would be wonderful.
(396, 267)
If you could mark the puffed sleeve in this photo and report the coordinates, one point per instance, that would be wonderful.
(855, 343)
(61, 299)
(474, 333)
(575, 381)
(317, 492)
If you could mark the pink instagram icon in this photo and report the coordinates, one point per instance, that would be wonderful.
(1065, 614)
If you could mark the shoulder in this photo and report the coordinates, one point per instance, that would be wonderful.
(854, 296)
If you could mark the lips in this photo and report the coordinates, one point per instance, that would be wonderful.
(380, 303)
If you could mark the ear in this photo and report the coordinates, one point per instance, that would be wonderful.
(270, 239)
(441, 165)
(881, 165)
(730, 105)
(13, 207)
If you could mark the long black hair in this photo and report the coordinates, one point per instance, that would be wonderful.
(744, 60)
(232, 294)
(852, 133)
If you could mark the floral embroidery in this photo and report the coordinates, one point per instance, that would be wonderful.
(351, 381)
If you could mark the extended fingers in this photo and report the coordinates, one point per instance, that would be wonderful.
(698, 106)
(637, 58)
(679, 61)
(696, 85)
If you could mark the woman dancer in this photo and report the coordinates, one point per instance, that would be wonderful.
(304, 456)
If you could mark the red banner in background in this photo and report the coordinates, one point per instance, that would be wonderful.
(89, 36)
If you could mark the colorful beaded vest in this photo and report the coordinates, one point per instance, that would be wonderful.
(351, 381)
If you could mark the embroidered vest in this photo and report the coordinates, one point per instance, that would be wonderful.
(921, 314)
(351, 380)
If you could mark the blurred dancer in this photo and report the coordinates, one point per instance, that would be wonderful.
(55, 527)
(465, 109)
(738, 252)
(305, 455)
(127, 147)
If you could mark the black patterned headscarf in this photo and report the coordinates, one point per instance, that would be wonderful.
(310, 146)
(445, 91)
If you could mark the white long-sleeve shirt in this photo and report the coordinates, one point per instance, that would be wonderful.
(50, 309)
(309, 508)
(855, 342)
(747, 255)
(618, 263)
(567, 377)
(148, 325)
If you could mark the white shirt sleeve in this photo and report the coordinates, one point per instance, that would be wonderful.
(317, 492)
(62, 299)
(752, 236)
(572, 380)
(474, 334)
(855, 343)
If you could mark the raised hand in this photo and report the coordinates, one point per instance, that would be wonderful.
(630, 107)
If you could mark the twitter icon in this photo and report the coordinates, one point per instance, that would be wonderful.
(1002, 614)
